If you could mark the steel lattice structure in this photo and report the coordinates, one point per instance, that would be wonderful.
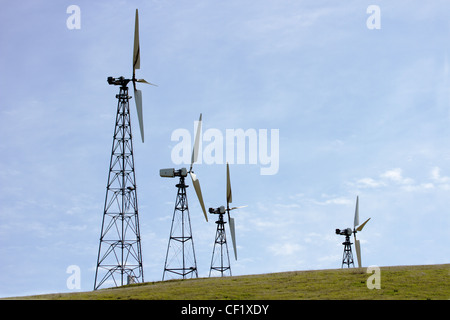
(119, 259)
(218, 263)
(347, 256)
(180, 256)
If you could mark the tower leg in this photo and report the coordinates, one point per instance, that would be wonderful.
(119, 258)
(218, 263)
(347, 257)
(180, 256)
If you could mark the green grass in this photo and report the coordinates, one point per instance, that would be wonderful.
(399, 282)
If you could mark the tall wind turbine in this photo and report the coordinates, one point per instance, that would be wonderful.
(180, 256)
(347, 257)
(119, 258)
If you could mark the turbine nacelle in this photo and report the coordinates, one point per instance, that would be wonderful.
(219, 210)
(121, 81)
(344, 232)
(172, 173)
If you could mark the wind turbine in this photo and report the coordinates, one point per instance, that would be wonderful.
(181, 240)
(347, 256)
(220, 238)
(120, 254)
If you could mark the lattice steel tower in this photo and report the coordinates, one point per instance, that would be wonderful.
(220, 243)
(347, 257)
(180, 256)
(220, 260)
(119, 259)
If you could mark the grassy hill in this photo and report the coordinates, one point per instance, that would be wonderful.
(399, 282)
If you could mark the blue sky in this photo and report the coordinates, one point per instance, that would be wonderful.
(359, 112)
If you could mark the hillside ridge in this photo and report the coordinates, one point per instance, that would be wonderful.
(394, 282)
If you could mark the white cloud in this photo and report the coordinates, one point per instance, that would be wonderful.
(336, 200)
(369, 183)
(436, 175)
(302, 200)
(285, 249)
(419, 187)
(396, 176)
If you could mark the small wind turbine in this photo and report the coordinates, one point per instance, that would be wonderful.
(220, 238)
(180, 232)
(347, 256)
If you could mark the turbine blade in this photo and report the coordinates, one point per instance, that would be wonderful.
(196, 142)
(136, 48)
(229, 195)
(358, 252)
(198, 191)
(362, 226)
(233, 235)
(138, 100)
(356, 221)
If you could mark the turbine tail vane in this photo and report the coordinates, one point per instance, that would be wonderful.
(362, 226)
